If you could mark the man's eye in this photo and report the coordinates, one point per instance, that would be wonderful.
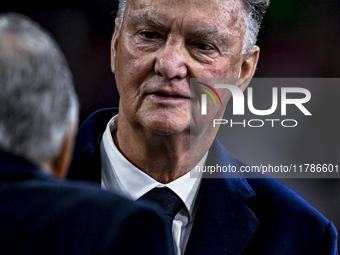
(149, 35)
(203, 46)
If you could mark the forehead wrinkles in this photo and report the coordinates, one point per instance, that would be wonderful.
(225, 16)
(150, 10)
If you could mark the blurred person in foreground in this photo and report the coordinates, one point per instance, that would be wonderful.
(40, 213)
(142, 150)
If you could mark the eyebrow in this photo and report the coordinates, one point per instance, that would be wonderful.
(206, 34)
(144, 18)
(209, 34)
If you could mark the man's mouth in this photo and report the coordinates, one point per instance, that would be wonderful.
(169, 96)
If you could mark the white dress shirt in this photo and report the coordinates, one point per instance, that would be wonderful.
(121, 176)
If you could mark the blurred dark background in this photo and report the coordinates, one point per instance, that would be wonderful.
(297, 39)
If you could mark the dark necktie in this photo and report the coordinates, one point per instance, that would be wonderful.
(167, 199)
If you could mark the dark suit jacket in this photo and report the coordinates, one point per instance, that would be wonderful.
(235, 215)
(42, 215)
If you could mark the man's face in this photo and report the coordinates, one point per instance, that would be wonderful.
(161, 45)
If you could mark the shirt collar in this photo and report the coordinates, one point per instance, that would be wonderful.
(123, 177)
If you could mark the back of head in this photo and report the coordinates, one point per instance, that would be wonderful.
(37, 98)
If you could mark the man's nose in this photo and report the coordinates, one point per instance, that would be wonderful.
(171, 61)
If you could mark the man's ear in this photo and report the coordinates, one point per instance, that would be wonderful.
(248, 67)
(59, 165)
(114, 44)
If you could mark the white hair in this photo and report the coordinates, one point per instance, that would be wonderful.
(37, 99)
(254, 12)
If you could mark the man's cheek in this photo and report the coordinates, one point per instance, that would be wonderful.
(213, 72)
(136, 65)
(216, 71)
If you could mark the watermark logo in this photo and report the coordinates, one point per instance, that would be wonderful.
(238, 102)
(281, 97)
(271, 123)
(204, 97)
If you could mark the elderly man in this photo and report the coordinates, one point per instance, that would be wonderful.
(143, 149)
(38, 116)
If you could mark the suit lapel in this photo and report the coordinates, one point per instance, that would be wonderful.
(223, 223)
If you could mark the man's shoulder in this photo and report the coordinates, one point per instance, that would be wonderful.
(86, 163)
(67, 196)
(280, 210)
(286, 218)
(98, 203)
(93, 126)
(79, 217)
(118, 221)
(269, 192)
(272, 194)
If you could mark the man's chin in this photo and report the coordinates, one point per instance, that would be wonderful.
(167, 127)
(164, 120)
